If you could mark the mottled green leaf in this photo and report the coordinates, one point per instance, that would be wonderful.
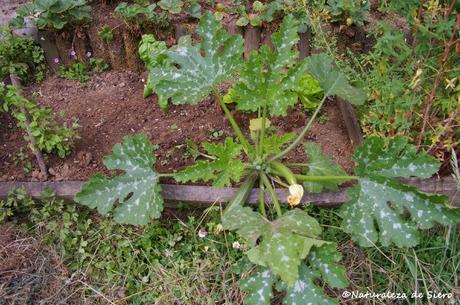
(258, 287)
(137, 191)
(305, 292)
(286, 243)
(321, 165)
(247, 223)
(325, 259)
(224, 169)
(332, 80)
(192, 75)
(270, 78)
(397, 159)
(385, 210)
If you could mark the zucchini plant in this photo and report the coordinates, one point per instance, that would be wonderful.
(284, 242)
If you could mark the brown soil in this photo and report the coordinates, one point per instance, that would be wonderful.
(111, 106)
(29, 272)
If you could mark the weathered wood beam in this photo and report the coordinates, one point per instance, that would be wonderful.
(202, 196)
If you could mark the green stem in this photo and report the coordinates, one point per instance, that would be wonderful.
(275, 201)
(302, 134)
(297, 164)
(262, 132)
(236, 128)
(262, 199)
(325, 178)
(166, 175)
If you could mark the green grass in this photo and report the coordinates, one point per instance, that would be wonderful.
(168, 262)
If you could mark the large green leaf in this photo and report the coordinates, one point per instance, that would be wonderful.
(398, 159)
(137, 191)
(322, 263)
(385, 210)
(191, 77)
(258, 287)
(265, 81)
(247, 223)
(332, 80)
(320, 165)
(304, 290)
(224, 169)
(283, 243)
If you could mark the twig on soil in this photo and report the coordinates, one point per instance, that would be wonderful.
(38, 155)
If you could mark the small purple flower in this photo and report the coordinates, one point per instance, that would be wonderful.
(56, 60)
(88, 54)
(72, 53)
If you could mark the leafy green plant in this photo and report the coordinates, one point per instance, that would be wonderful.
(142, 12)
(80, 71)
(350, 11)
(98, 65)
(77, 71)
(266, 12)
(53, 14)
(21, 57)
(172, 6)
(414, 82)
(49, 136)
(105, 33)
(151, 51)
(286, 246)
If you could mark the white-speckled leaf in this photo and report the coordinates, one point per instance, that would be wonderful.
(395, 159)
(325, 259)
(378, 206)
(332, 80)
(271, 77)
(258, 287)
(305, 292)
(285, 243)
(321, 165)
(224, 169)
(247, 223)
(137, 191)
(191, 77)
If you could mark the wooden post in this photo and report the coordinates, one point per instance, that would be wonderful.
(351, 122)
(251, 40)
(48, 44)
(304, 44)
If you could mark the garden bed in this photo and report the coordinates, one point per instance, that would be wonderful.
(111, 105)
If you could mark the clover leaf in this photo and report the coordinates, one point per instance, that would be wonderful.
(191, 76)
(223, 169)
(137, 192)
(384, 210)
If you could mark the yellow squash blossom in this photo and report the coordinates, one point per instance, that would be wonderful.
(296, 194)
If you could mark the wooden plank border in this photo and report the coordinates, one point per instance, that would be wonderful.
(203, 196)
